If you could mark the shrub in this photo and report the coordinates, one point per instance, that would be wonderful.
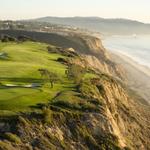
(23, 38)
(73, 100)
(127, 148)
(68, 99)
(76, 73)
(13, 138)
(6, 146)
(88, 90)
(23, 121)
(108, 141)
(7, 38)
(90, 141)
(47, 115)
(63, 61)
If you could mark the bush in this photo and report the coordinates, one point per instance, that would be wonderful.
(108, 141)
(53, 49)
(88, 90)
(23, 121)
(23, 38)
(65, 52)
(7, 38)
(6, 146)
(73, 100)
(13, 138)
(127, 148)
(47, 115)
(76, 73)
(68, 99)
(63, 61)
(90, 141)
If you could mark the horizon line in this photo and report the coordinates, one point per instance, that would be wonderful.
(75, 17)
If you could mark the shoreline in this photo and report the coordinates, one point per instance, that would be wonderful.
(138, 76)
(129, 59)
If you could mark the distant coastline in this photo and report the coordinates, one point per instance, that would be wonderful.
(138, 76)
(135, 47)
(133, 54)
(128, 59)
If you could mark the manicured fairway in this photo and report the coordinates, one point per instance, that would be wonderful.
(21, 68)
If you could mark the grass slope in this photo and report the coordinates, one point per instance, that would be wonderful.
(21, 67)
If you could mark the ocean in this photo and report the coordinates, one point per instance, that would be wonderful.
(136, 47)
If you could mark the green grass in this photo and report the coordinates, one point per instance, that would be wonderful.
(25, 59)
(21, 67)
(90, 75)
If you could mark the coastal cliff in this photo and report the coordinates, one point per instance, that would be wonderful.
(99, 113)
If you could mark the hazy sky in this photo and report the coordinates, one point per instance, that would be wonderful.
(23, 9)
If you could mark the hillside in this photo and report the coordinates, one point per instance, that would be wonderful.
(104, 26)
(88, 107)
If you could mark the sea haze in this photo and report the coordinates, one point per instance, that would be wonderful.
(135, 46)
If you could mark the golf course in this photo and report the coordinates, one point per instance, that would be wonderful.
(20, 80)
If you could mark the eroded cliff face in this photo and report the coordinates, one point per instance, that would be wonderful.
(128, 116)
(126, 113)
(99, 58)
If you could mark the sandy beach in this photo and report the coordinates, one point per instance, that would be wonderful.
(138, 76)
